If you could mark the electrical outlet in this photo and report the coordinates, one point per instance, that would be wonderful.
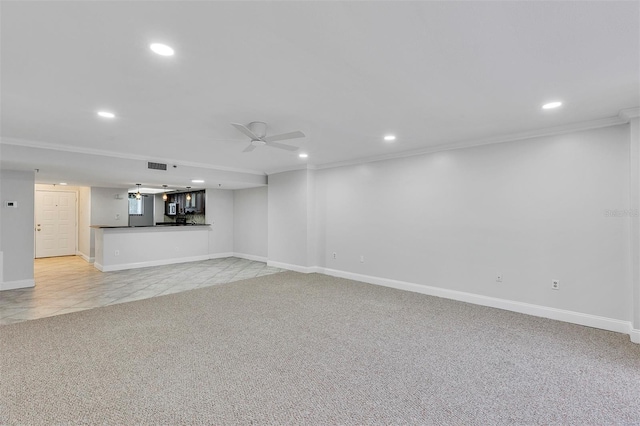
(555, 284)
(116, 253)
(335, 255)
(499, 277)
(361, 258)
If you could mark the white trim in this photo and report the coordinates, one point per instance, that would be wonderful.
(250, 257)
(103, 153)
(622, 118)
(220, 255)
(629, 113)
(161, 262)
(290, 267)
(85, 257)
(559, 130)
(12, 285)
(588, 320)
(292, 168)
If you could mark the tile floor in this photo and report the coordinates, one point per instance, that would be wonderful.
(69, 284)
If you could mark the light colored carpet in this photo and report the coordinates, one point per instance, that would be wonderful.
(311, 349)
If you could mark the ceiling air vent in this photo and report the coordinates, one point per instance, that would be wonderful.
(156, 166)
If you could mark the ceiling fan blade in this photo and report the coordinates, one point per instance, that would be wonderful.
(250, 148)
(283, 146)
(283, 136)
(246, 131)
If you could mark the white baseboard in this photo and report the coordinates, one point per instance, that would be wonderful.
(588, 320)
(220, 255)
(12, 285)
(250, 257)
(136, 265)
(85, 257)
(289, 267)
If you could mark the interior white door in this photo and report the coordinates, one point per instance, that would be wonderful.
(55, 223)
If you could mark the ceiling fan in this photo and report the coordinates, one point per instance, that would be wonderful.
(257, 131)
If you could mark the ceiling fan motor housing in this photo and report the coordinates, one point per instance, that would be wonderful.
(259, 128)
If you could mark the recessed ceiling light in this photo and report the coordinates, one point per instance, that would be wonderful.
(552, 105)
(63, 183)
(303, 155)
(106, 114)
(389, 138)
(197, 181)
(161, 49)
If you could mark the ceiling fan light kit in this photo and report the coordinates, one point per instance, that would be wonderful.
(257, 131)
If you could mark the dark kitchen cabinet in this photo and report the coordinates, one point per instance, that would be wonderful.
(196, 205)
(171, 199)
(201, 195)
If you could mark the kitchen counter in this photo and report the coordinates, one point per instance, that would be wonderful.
(157, 225)
(129, 247)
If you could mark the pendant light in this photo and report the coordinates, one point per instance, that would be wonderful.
(188, 194)
(138, 195)
(164, 196)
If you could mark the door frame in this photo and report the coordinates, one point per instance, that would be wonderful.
(54, 188)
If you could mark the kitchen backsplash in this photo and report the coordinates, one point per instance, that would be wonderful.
(197, 218)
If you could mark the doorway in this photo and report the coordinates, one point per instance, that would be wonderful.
(55, 214)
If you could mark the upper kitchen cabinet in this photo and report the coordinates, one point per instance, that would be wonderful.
(194, 205)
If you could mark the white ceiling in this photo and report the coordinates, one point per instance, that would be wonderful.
(345, 73)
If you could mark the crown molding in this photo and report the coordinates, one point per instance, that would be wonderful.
(291, 169)
(513, 137)
(623, 117)
(113, 154)
(628, 113)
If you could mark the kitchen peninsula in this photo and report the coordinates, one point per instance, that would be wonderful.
(129, 247)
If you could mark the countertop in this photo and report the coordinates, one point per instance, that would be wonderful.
(158, 225)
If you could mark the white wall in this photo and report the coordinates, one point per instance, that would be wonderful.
(250, 223)
(289, 219)
(16, 229)
(219, 213)
(532, 210)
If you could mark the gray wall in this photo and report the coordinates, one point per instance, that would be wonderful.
(84, 220)
(219, 213)
(16, 227)
(289, 200)
(109, 206)
(158, 215)
(532, 210)
(634, 228)
(147, 217)
(250, 222)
